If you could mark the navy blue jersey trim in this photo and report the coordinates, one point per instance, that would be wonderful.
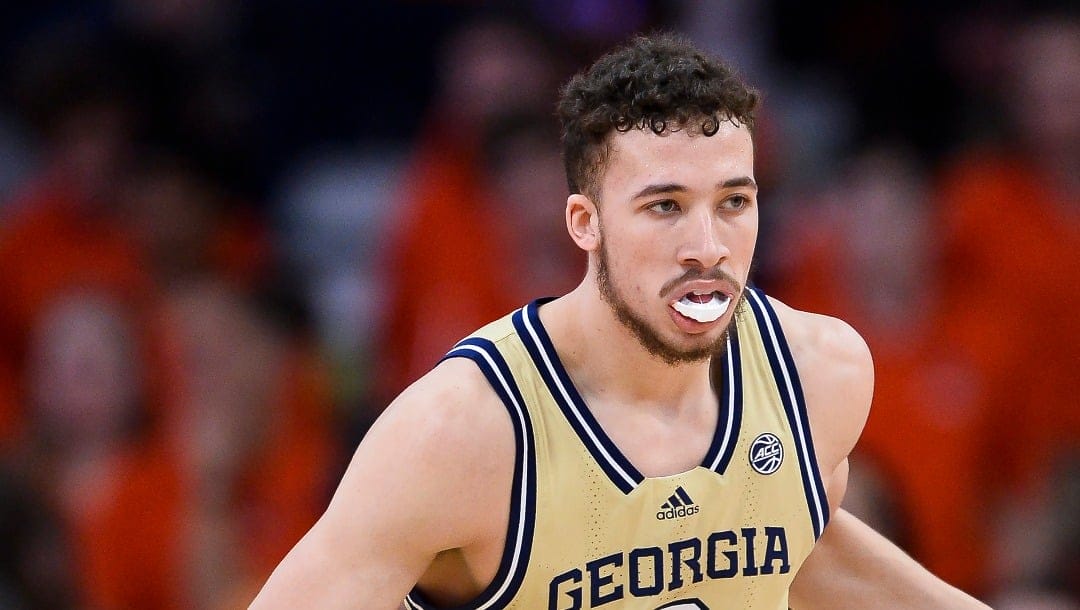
(791, 395)
(619, 469)
(729, 414)
(519, 533)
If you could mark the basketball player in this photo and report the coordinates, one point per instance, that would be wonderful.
(663, 436)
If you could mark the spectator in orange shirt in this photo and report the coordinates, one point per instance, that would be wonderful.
(247, 453)
(869, 255)
(1012, 235)
(84, 409)
(63, 231)
(239, 461)
(62, 228)
(447, 270)
(129, 355)
(191, 503)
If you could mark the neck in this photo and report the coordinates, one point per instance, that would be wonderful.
(607, 362)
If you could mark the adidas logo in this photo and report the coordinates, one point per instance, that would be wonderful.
(678, 505)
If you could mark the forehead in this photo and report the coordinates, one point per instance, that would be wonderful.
(693, 160)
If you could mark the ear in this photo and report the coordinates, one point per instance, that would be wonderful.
(583, 222)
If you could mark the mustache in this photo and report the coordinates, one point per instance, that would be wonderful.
(712, 274)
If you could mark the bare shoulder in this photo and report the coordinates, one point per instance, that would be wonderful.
(439, 451)
(443, 444)
(451, 408)
(819, 337)
(837, 375)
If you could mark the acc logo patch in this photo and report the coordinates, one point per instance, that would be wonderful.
(766, 453)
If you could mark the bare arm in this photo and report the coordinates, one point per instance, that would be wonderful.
(408, 495)
(854, 567)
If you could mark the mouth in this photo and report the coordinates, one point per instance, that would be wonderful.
(703, 306)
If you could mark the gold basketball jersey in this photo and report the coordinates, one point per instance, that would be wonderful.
(587, 530)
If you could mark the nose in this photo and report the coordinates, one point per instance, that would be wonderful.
(703, 245)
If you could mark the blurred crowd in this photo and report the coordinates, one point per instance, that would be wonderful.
(231, 231)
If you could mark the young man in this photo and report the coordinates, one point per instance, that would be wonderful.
(663, 436)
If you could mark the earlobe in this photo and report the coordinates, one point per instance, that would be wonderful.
(583, 222)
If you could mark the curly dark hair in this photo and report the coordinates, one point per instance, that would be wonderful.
(659, 82)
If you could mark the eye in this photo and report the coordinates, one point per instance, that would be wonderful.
(667, 206)
(736, 202)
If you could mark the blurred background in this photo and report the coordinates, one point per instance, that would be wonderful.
(232, 230)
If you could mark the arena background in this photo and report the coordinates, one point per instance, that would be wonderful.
(231, 231)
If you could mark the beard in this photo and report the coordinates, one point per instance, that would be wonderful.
(649, 337)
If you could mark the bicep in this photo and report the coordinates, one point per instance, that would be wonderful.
(320, 572)
(839, 386)
(852, 566)
(836, 486)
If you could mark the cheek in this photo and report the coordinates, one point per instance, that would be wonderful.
(745, 237)
(638, 273)
(746, 245)
(633, 260)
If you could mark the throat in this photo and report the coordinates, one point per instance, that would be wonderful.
(642, 382)
(660, 440)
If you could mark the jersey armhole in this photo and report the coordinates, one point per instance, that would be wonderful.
(518, 546)
(791, 395)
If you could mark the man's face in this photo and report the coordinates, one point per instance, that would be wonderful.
(678, 222)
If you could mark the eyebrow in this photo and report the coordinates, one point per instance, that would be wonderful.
(672, 187)
(657, 189)
(740, 181)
